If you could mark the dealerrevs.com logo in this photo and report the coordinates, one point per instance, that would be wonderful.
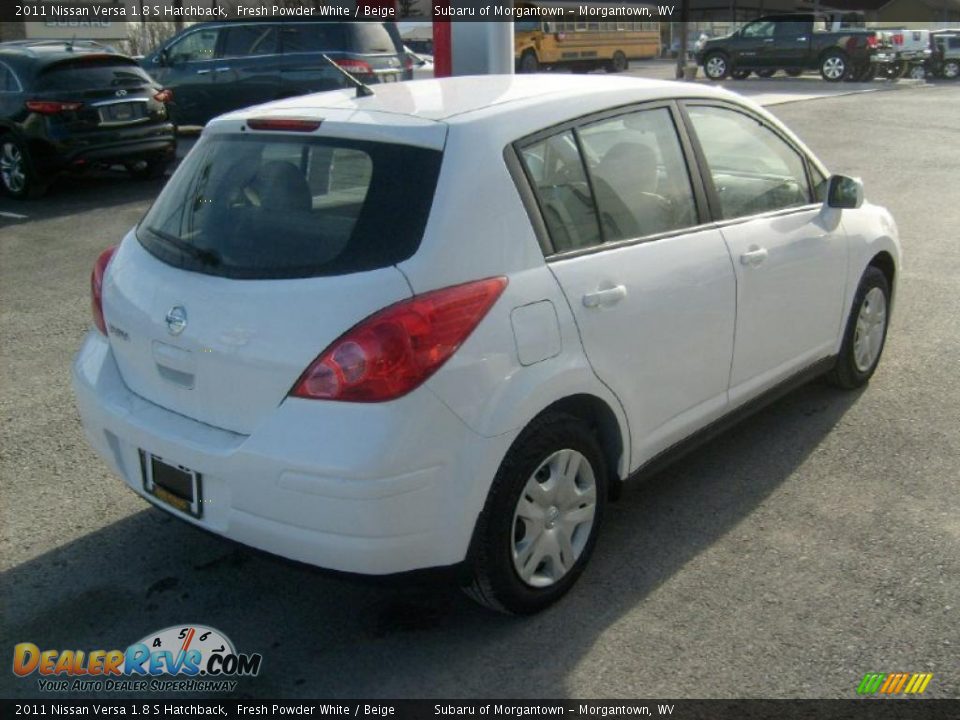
(178, 658)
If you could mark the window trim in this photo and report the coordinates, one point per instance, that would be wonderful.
(706, 178)
(531, 201)
(15, 77)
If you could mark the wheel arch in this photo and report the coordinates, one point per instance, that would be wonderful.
(884, 262)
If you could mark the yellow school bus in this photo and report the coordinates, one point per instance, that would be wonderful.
(582, 46)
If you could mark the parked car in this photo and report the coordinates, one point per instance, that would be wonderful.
(903, 53)
(945, 54)
(300, 349)
(73, 105)
(216, 67)
(794, 43)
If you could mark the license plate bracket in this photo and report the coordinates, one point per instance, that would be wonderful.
(174, 485)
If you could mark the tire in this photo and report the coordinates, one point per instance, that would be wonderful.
(951, 69)
(834, 66)
(716, 66)
(529, 62)
(917, 72)
(148, 169)
(794, 72)
(866, 332)
(740, 74)
(618, 63)
(531, 485)
(767, 73)
(17, 176)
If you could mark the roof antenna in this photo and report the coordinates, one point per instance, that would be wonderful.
(362, 89)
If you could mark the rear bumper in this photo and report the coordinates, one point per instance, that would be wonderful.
(301, 487)
(54, 155)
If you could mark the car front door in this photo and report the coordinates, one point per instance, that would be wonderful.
(651, 288)
(754, 45)
(788, 250)
(187, 67)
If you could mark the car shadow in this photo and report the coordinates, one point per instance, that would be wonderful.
(336, 636)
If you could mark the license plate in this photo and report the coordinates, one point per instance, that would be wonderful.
(120, 112)
(174, 485)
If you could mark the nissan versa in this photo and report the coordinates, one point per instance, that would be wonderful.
(439, 325)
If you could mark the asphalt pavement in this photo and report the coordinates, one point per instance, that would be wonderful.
(813, 543)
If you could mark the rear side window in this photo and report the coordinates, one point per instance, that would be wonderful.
(250, 206)
(249, 40)
(315, 37)
(372, 38)
(83, 74)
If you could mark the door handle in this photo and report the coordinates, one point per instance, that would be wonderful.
(802, 39)
(222, 69)
(204, 72)
(754, 256)
(605, 298)
(768, 40)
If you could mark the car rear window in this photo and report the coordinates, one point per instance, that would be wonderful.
(372, 38)
(259, 207)
(88, 74)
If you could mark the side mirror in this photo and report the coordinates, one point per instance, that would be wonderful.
(845, 193)
(163, 58)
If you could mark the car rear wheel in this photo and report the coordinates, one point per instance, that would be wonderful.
(541, 518)
(716, 66)
(951, 69)
(917, 72)
(148, 169)
(16, 171)
(618, 63)
(528, 62)
(866, 332)
(833, 67)
(766, 73)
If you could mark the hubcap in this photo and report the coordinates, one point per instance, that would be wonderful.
(917, 72)
(951, 70)
(553, 519)
(716, 66)
(871, 327)
(11, 167)
(834, 67)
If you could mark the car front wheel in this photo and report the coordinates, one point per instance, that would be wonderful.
(16, 171)
(716, 66)
(951, 69)
(866, 332)
(833, 67)
(541, 518)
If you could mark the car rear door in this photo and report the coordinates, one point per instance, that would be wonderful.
(789, 253)
(791, 46)
(651, 287)
(247, 71)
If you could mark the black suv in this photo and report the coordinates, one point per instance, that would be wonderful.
(72, 105)
(216, 67)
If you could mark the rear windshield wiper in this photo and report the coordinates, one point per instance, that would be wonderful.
(207, 257)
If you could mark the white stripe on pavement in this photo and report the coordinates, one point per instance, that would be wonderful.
(16, 216)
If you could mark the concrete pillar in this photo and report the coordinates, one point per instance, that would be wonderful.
(482, 48)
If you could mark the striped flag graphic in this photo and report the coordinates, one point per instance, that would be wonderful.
(894, 683)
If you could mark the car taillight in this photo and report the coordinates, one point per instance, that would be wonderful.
(52, 107)
(357, 67)
(898, 39)
(164, 96)
(96, 287)
(871, 41)
(396, 349)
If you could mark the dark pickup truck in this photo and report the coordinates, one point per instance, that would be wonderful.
(793, 43)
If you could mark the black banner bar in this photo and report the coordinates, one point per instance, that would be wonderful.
(82, 13)
(865, 709)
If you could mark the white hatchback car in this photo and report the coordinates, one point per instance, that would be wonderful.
(440, 325)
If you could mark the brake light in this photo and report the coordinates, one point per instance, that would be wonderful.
(96, 287)
(52, 107)
(898, 39)
(283, 124)
(396, 349)
(357, 67)
(164, 96)
(872, 41)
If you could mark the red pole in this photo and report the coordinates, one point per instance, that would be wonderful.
(442, 47)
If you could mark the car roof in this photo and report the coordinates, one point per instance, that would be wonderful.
(467, 98)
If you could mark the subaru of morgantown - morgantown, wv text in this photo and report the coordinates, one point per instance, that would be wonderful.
(439, 325)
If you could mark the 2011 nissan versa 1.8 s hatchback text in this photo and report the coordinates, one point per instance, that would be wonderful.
(439, 325)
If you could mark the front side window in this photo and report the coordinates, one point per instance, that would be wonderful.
(257, 207)
(555, 169)
(760, 29)
(197, 46)
(752, 168)
(639, 176)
